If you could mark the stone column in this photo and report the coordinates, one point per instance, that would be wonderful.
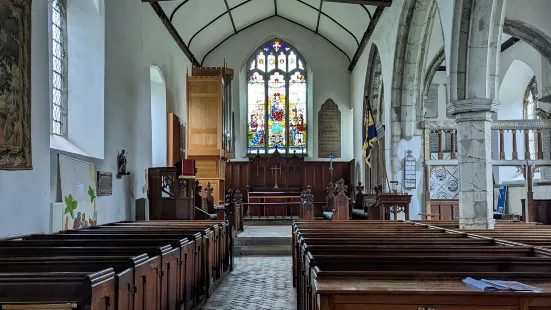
(474, 148)
(474, 93)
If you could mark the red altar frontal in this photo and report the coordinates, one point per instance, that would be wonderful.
(280, 203)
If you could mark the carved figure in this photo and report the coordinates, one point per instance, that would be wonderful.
(122, 163)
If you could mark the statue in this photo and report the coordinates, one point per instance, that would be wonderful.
(122, 164)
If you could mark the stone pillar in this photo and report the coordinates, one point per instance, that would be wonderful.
(474, 93)
(474, 148)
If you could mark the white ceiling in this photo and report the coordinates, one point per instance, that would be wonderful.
(203, 24)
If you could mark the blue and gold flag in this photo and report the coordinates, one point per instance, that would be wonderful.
(369, 133)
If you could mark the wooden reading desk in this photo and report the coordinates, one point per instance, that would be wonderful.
(281, 203)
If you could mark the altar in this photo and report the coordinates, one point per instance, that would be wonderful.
(274, 203)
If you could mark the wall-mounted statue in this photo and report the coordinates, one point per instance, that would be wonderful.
(121, 160)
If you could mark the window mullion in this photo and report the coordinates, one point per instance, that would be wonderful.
(266, 111)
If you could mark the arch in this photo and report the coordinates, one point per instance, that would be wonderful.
(277, 99)
(273, 37)
(432, 69)
(373, 82)
(413, 39)
(159, 156)
(529, 34)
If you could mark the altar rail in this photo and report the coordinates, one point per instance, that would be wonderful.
(533, 136)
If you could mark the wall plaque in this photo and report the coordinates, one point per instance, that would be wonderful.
(105, 184)
(431, 103)
(329, 130)
(410, 171)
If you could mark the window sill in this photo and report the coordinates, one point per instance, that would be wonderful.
(62, 144)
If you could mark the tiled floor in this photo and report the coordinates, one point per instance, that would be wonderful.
(256, 283)
(267, 231)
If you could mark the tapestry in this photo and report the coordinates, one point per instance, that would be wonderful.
(444, 183)
(15, 80)
(78, 192)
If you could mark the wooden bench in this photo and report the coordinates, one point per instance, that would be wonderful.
(180, 262)
(409, 265)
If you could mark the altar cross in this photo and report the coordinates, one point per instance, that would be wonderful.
(274, 171)
(331, 157)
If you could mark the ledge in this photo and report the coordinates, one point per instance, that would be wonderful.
(62, 144)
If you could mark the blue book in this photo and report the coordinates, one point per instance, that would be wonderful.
(497, 285)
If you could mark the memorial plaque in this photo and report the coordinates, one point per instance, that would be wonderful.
(329, 130)
(431, 103)
(105, 184)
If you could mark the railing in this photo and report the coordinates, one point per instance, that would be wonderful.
(519, 142)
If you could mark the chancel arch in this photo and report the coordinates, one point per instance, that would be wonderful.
(277, 109)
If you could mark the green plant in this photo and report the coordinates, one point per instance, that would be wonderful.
(91, 193)
(71, 205)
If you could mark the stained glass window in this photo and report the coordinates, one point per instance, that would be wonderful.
(277, 96)
(59, 68)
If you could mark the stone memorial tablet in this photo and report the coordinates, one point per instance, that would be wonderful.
(105, 184)
(329, 130)
(431, 103)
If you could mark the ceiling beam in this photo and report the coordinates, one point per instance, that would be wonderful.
(507, 44)
(275, 7)
(385, 3)
(231, 16)
(319, 16)
(161, 13)
(367, 34)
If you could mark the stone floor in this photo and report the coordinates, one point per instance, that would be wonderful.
(266, 231)
(256, 283)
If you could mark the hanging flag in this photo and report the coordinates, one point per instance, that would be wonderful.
(369, 133)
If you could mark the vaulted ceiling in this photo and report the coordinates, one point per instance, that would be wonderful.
(203, 25)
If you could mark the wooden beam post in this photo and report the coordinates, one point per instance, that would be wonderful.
(367, 34)
(166, 21)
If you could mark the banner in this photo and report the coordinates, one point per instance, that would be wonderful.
(78, 193)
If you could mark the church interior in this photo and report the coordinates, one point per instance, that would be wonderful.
(275, 154)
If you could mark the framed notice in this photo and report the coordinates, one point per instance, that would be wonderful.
(105, 183)
(410, 171)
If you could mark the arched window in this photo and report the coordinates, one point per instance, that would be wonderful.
(530, 112)
(59, 67)
(276, 102)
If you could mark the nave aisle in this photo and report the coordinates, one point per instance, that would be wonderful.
(256, 283)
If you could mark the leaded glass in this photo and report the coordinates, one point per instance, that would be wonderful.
(277, 117)
(297, 113)
(292, 63)
(271, 62)
(261, 59)
(59, 84)
(277, 100)
(282, 62)
(256, 113)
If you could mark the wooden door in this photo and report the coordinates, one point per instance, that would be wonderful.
(173, 144)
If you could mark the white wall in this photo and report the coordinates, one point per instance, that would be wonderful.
(24, 199)
(158, 120)
(329, 77)
(133, 44)
(86, 60)
(384, 37)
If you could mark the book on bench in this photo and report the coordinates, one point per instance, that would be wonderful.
(497, 285)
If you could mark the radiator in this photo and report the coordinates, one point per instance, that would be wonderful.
(56, 217)
(142, 209)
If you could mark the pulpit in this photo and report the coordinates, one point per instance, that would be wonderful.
(390, 204)
(171, 196)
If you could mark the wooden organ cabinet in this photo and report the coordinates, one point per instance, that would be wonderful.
(209, 125)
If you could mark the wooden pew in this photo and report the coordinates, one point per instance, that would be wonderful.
(67, 290)
(394, 262)
(169, 252)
